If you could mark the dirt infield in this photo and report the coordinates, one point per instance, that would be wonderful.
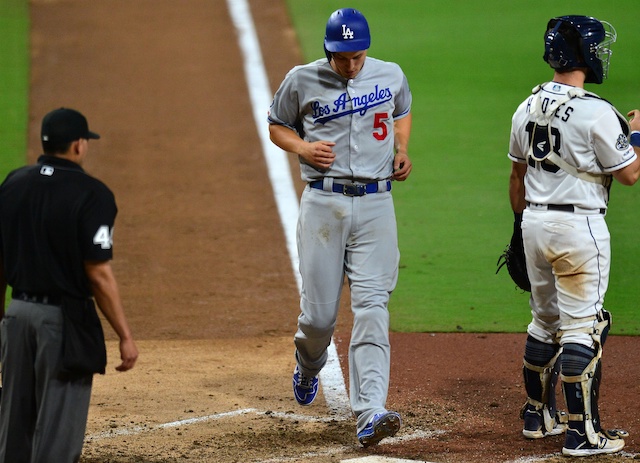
(204, 271)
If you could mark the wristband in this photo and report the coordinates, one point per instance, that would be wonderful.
(635, 139)
(517, 217)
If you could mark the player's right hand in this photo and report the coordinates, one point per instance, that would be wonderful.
(319, 154)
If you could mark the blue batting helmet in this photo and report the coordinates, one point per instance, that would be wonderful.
(579, 42)
(347, 30)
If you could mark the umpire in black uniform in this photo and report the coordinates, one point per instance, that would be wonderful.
(56, 225)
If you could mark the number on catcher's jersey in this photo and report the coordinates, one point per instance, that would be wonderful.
(541, 145)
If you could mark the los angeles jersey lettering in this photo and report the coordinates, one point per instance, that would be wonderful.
(345, 105)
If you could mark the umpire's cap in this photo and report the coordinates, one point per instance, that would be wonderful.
(347, 30)
(64, 125)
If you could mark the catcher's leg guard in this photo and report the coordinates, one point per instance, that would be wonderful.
(541, 370)
(581, 377)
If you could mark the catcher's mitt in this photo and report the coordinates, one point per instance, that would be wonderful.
(513, 258)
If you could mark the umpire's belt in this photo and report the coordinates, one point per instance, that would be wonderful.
(38, 298)
(354, 189)
(566, 208)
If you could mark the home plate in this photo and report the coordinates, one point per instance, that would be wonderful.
(376, 459)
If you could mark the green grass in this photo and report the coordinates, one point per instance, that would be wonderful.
(469, 65)
(14, 81)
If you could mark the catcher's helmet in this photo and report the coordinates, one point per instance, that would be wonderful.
(347, 30)
(579, 42)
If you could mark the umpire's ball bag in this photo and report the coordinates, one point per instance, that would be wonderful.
(83, 346)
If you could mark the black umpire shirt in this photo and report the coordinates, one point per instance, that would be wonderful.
(53, 217)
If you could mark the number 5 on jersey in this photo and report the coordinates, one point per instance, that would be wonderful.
(380, 125)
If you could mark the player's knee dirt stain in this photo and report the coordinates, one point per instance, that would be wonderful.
(571, 278)
(324, 234)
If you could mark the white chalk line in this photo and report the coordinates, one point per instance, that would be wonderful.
(133, 430)
(331, 379)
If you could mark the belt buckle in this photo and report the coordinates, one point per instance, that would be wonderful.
(351, 189)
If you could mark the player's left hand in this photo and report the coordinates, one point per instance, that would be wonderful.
(401, 167)
(635, 119)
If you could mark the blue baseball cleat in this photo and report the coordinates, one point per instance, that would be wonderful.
(304, 389)
(380, 426)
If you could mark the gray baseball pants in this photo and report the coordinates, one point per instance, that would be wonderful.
(354, 236)
(43, 413)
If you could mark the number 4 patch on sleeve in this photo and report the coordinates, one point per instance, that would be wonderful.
(104, 237)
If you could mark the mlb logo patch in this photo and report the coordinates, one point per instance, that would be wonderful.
(47, 170)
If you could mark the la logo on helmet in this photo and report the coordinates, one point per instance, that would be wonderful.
(346, 32)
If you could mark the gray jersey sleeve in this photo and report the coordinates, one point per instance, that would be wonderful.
(285, 108)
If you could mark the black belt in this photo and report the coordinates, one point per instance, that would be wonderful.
(37, 298)
(561, 207)
(352, 189)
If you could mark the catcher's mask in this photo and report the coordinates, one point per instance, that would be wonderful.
(347, 30)
(572, 42)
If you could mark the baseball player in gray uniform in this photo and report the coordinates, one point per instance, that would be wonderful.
(566, 146)
(347, 117)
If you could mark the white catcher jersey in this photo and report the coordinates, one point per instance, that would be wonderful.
(586, 132)
(356, 114)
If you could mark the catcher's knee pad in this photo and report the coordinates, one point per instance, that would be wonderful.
(541, 371)
(595, 327)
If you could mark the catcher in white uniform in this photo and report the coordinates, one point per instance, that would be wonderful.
(566, 146)
(348, 118)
